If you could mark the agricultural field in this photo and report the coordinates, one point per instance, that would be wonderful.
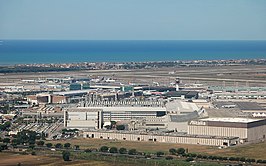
(9, 159)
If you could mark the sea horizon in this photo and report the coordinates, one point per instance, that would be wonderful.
(77, 51)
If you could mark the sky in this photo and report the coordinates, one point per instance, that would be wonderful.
(133, 19)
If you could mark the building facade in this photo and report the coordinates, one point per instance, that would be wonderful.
(180, 139)
(246, 129)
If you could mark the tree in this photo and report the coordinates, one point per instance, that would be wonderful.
(40, 143)
(26, 137)
(58, 145)
(6, 140)
(33, 153)
(49, 145)
(120, 127)
(132, 152)
(14, 142)
(159, 154)
(67, 145)
(122, 150)
(181, 151)
(172, 151)
(113, 150)
(66, 155)
(104, 149)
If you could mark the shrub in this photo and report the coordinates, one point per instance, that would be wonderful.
(225, 158)
(6, 140)
(181, 151)
(159, 154)
(58, 145)
(122, 150)
(31, 146)
(214, 157)
(66, 155)
(87, 150)
(193, 155)
(120, 127)
(169, 158)
(67, 145)
(259, 161)
(132, 152)
(189, 159)
(33, 153)
(232, 158)
(210, 157)
(250, 160)
(113, 150)
(172, 151)
(76, 147)
(40, 143)
(49, 145)
(219, 157)
(104, 149)
(204, 157)
(199, 156)
(148, 156)
(242, 159)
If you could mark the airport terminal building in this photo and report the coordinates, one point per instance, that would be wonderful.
(94, 117)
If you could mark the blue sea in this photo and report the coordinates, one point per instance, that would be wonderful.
(68, 51)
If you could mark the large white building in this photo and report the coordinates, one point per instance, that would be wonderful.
(244, 128)
(167, 138)
(172, 117)
(94, 117)
(83, 119)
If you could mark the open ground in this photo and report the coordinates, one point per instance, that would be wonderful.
(252, 75)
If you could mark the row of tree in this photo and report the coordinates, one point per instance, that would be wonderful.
(191, 156)
(122, 150)
(59, 145)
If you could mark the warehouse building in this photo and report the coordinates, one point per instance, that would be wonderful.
(246, 129)
(83, 119)
(167, 138)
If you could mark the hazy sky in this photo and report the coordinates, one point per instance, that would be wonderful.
(133, 19)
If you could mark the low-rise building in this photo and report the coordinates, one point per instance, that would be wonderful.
(166, 138)
(244, 128)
